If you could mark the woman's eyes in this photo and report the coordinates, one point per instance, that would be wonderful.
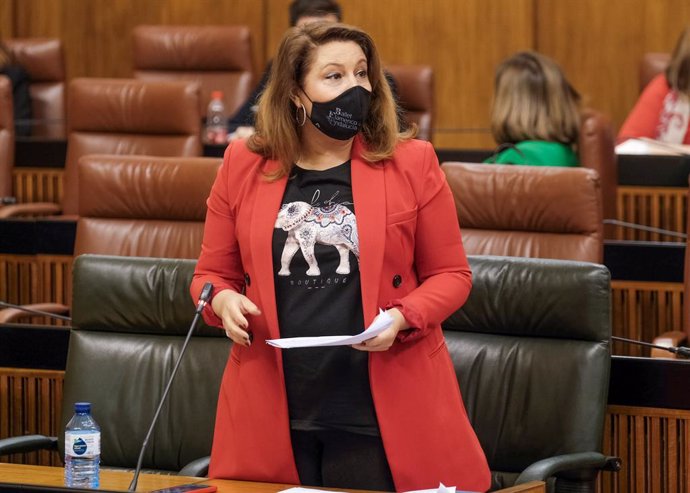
(337, 75)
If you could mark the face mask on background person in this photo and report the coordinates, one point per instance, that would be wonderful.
(342, 117)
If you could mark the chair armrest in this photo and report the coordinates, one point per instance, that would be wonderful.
(27, 443)
(546, 468)
(11, 315)
(673, 338)
(198, 468)
(30, 209)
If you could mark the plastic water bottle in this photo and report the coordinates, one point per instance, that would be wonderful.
(216, 124)
(82, 448)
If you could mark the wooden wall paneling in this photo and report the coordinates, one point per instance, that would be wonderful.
(30, 403)
(40, 18)
(659, 207)
(6, 19)
(600, 44)
(643, 310)
(653, 444)
(96, 33)
(38, 184)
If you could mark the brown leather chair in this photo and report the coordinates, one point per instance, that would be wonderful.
(651, 65)
(415, 84)
(528, 211)
(143, 206)
(6, 139)
(596, 149)
(216, 57)
(123, 116)
(137, 206)
(44, 60)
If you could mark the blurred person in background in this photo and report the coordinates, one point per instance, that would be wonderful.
(535, 115)
(20, 90)
(663, 110)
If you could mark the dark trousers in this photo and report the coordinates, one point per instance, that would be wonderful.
(338, 459)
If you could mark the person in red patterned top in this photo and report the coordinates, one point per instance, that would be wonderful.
(663, 110)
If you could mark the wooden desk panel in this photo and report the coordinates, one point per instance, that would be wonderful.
(110, 480)
(119, 481)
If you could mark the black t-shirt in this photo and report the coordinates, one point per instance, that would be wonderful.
(318, 292)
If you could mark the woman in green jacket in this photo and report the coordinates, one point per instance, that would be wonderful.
(535, 116)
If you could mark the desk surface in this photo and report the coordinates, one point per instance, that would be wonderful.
(119, 481)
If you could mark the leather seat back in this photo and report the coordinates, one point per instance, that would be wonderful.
(143, 206)
(215, 57)
(6, 137)
(44, 61)
(531, 352)
(126, 116)
(528, 211)
(415, 85)
(596, 149)
(130, 318)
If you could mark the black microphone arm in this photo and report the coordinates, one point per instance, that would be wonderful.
(680, 350)
(203, 301)
(40, 313)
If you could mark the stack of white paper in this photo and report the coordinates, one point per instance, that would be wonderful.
(382, 321)
(651, 147)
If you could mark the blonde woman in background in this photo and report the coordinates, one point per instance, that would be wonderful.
(535, 116)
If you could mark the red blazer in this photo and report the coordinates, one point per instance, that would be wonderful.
(408, 231)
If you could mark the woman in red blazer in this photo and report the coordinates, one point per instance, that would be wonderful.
(324, 216)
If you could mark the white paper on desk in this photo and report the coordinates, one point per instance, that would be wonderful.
(651, 147)
(441, 489)
(382, 321)
(300, 489)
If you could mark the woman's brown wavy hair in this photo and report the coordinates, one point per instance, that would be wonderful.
(277, 132)
(678, 71)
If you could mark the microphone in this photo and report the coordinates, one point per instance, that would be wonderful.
(33, 311)
(680, 350)
(203, 301)
(648, 229)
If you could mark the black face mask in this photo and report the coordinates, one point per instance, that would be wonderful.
(341, 118)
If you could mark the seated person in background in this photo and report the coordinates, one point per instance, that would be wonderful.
(535, 115)
(20, 91)
(302, 12)
(663, 110)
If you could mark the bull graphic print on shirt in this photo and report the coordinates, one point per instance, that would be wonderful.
(306, 225)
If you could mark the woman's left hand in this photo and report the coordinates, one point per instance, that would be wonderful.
(385, 339)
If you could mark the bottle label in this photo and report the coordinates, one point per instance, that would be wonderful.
(81, 444)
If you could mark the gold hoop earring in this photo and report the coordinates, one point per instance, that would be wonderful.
(304, 115)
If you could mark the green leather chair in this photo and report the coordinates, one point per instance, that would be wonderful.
(130, 318)
(531, 349)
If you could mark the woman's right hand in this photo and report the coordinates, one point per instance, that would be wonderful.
(232, 307)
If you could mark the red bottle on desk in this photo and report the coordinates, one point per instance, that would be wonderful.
(216, 124)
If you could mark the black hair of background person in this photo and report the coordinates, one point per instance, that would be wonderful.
(21, 100)
(244, 117)
(314, 8)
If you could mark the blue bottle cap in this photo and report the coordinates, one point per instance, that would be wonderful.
(82, 407)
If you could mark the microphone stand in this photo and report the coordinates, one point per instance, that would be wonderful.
(203, 300)
(34, 312)
(680, 350)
